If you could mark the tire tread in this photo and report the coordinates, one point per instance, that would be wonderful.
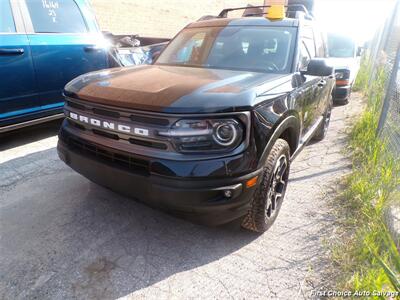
(255, 218)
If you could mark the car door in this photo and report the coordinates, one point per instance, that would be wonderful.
(64, 45)
(326, 83)
(18, 92)
(308, 90)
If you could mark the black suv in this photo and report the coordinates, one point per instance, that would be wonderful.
(209, 130)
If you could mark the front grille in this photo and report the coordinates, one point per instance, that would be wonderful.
(152, 123)
(125, 116)
(148, 144)
(106, 134)
(76, 125)
(150, 120)
(107, 155)
(76, 105)
(106, 113)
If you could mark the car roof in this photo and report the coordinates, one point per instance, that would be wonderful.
(246, 21)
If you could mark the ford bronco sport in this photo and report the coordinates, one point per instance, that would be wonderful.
(208, 131)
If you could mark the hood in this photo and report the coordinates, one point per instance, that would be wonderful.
(174, 89)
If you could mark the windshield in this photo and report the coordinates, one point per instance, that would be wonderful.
(340, 46)
(250, 48)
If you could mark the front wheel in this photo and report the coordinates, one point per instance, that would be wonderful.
(268, 197)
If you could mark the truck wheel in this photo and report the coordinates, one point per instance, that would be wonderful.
(323, 129)
(268, 197)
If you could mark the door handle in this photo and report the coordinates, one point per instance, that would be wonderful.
(322, 83)
(19, 51)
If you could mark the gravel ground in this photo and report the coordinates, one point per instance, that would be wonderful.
(63, 237)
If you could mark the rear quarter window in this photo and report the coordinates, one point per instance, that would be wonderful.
(56, 16)
(6, 18)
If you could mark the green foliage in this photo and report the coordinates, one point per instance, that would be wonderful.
(363, 76)
(368, 257)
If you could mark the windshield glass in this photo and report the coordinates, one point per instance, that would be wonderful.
(340, 46)
(250, 48)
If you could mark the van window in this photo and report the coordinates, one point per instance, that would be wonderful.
(341, 46)
(6, 18)
(55, 16)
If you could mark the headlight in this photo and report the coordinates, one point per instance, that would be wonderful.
(339, 75)
(225, 134)
(342, 74)
(190, 136)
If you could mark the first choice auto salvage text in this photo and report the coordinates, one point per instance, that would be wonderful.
(332, 293)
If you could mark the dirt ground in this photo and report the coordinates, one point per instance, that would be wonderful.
(63, 237)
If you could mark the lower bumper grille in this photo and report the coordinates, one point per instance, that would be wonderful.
(107, 155)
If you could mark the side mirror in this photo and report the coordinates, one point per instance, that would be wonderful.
(359, 51)
(319, 67)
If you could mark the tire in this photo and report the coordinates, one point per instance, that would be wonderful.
(267, 200)
(323, 129)
(341, 101)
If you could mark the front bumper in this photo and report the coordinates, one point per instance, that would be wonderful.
(341, 93)
(198, 199)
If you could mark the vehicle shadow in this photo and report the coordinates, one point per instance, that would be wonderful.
(66, 236)
(28, 135)
(340, 103)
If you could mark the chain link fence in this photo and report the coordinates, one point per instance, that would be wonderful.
(383, 66)
(385, 52)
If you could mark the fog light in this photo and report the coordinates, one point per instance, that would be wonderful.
(228, 193)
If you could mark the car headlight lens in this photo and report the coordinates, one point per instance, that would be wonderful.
(339, 75)
(191, 136)
(342, 74)
(225, 134)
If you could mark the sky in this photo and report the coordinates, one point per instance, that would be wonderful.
(359, 19)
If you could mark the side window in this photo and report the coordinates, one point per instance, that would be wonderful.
(6, 18)
(305, 57)
(320, 44)
(308, 38)
(55, 16)
(310, 47)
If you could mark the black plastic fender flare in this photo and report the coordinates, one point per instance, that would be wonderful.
(288, 122)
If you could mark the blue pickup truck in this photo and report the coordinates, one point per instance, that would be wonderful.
(43, 45)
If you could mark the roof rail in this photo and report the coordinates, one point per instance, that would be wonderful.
(224, 12)
(296, 11)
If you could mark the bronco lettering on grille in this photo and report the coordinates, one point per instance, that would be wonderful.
(108, 125)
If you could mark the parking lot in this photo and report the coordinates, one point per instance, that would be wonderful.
(63, 237)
